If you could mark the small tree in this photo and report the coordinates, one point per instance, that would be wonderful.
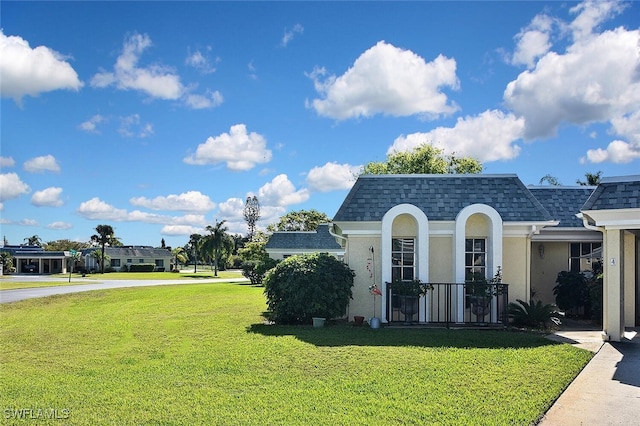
(572, 291)
(105, 236)
(305, 286)
(255, 262)
(251, 214)
(302, 220)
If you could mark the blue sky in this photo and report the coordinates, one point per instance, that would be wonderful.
(160, 118)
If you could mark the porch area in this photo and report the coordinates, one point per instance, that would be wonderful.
(449, 304)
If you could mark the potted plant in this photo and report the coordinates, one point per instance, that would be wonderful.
(408, 293)
(480, 291)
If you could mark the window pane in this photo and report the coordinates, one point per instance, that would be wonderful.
(478, 260)
(468, 245)
(407, 273)
(478, 246)
(407, 259)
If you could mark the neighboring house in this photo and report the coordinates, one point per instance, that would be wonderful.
(614, 210)
(569, 246)
(440, 228)
(36, 260)
(128, 255)
(283, 244)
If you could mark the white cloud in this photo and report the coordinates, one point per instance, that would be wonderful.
(281, 192)
(28, 222)
(289, 34)
(27, 71)
(533, 41)
(91, 125)
(155, 80)
(628, 126)
(192, 201)
(616, 152)
(238, 149)
(210, 99)
(60, 225)
(590, 14)
(7, 162)
(232, 209)
(595, 80)
(45, 163)
(387, 80)
(332, 176)
(177, 230)
(11, 186)
(49, 197)
(200, 61)
(490, 136)
(131, 126)
(96, 209)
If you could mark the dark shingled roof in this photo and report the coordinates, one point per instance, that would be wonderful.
(132, 251)
(615, 193)
(441, 197)
(320, 239)
(563, 203)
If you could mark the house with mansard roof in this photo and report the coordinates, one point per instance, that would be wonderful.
(283, 244)
(440, 229)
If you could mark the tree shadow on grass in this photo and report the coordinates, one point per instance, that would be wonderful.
(348, 335)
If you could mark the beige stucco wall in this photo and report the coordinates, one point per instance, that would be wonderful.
(514, 267)
(441, 259)
(545, 269)
(629, 279)
(359, 256)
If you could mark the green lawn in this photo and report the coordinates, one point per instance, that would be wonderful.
(7, 284)
(199, 354)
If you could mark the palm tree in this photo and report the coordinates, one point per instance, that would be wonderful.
(195, 241)
(179, 255)
(34, 241)
(105, 236)
(593, 179)
(216, 241)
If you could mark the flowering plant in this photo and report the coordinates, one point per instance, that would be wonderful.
(375, 291)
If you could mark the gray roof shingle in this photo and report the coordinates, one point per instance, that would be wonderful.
(440, 197)
(615, 193)
(319, 239)
(563, 203)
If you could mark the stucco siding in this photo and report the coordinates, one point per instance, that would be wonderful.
(441, 259)
(629, 279)
(514, 267)
(359, 258)
(546, 264)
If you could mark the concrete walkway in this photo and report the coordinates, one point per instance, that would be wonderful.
(7, 296)
(607, 390)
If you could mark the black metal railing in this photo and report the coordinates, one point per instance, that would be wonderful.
(451, 303)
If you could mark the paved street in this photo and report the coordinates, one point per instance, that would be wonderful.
(7, 296)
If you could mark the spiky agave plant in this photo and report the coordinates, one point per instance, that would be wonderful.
(533, 314)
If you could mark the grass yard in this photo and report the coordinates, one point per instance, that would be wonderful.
(199, 354)
(6, 283)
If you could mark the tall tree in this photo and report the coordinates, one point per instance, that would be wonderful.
(592, 179)
(33, 241)
(302, 220)
(216, 241)
(424, 159)
(194, 244)
(179, 255)
(105, 236)
(251, 214)
(551, 180)
(65, 245)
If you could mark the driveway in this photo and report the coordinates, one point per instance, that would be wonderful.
(607, 390)
(7, 296)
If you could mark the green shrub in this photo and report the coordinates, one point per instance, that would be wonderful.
(142, 267)
(533, 314)
(255, 270)
(306, 286)
(572, 291)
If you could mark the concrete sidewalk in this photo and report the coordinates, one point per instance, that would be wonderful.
(607, 390)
